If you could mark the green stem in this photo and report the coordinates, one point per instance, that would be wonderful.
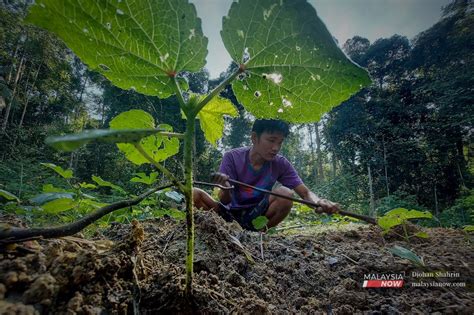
(160, 167)
(179, 94)
(215, 92)
(171, 134)
(188, 193)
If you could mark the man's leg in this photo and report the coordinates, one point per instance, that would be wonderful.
(202, 200)
(278, 207)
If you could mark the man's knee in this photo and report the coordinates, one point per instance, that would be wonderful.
(285, 203)
(203, 200)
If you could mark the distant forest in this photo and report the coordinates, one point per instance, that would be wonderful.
(406, 141)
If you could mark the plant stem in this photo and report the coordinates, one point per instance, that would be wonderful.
(215, 92)
(160, 167)
(179, 94)
(188, 193)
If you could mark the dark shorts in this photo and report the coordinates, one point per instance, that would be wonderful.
(244, 216)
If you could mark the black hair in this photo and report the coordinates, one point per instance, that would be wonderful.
(271, 126)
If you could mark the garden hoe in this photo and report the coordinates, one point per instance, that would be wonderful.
(308, 203)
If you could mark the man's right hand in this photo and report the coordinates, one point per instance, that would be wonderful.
(221, 179)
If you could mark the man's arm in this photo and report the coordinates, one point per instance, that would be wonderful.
(324, 204)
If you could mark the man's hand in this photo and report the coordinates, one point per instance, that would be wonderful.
(327, 206)
(221, 179)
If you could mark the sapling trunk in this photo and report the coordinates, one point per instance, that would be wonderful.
(188, 193)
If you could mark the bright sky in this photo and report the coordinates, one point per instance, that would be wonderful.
(371, 19)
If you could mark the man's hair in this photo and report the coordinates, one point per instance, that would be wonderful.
(271, 126)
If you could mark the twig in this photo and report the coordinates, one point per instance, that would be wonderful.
(15, 235)
(261, 246)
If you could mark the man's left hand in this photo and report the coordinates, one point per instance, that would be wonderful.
(327, 206)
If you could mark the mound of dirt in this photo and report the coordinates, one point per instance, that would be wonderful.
(139, 268)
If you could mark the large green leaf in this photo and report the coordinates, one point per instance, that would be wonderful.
(157, 146)
(105, 183)
(47, 197)
(73, 141)
(58, 169)
(8, 195)
(136, 44)
(295, 71)
(211, 118)
(58, 205)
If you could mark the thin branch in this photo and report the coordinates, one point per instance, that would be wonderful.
(160, 167)
(12, 234)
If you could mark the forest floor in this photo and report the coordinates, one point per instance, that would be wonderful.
(123, 270)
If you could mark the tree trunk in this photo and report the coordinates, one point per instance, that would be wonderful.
(385, 167)
(28, 97)
(9, 107)
(371, 192)
(318, 153)
(436, 199)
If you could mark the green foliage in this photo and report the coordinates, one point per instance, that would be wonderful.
(144, 178)
(260, 222)
(468, 228)
(288, 55)
(461, 213)
(400, 216)
(58, 169)
(158, 147)
(8, 196)
(407, 254)
(135, 44)
(211, 118)
(58, 205)
(104, 183)
(46, 197)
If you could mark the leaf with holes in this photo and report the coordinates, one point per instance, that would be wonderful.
(156, 146)
(211, 118)
(136, 44)
(294, 69)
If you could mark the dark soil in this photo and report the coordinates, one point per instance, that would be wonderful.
(125, 271)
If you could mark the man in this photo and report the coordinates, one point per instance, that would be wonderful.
(259, 165)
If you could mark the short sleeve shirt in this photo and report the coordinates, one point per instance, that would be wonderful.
(236, 164)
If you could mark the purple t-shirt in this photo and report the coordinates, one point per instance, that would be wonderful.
(236, 164)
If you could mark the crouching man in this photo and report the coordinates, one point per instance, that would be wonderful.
(259, 165)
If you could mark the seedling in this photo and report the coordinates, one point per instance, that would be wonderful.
(288, 68)
(404, 253)
(400, 217)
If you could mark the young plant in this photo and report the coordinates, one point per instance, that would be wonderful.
(400, 217)
(289, 67)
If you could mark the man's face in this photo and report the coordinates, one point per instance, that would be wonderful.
(268, 144)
